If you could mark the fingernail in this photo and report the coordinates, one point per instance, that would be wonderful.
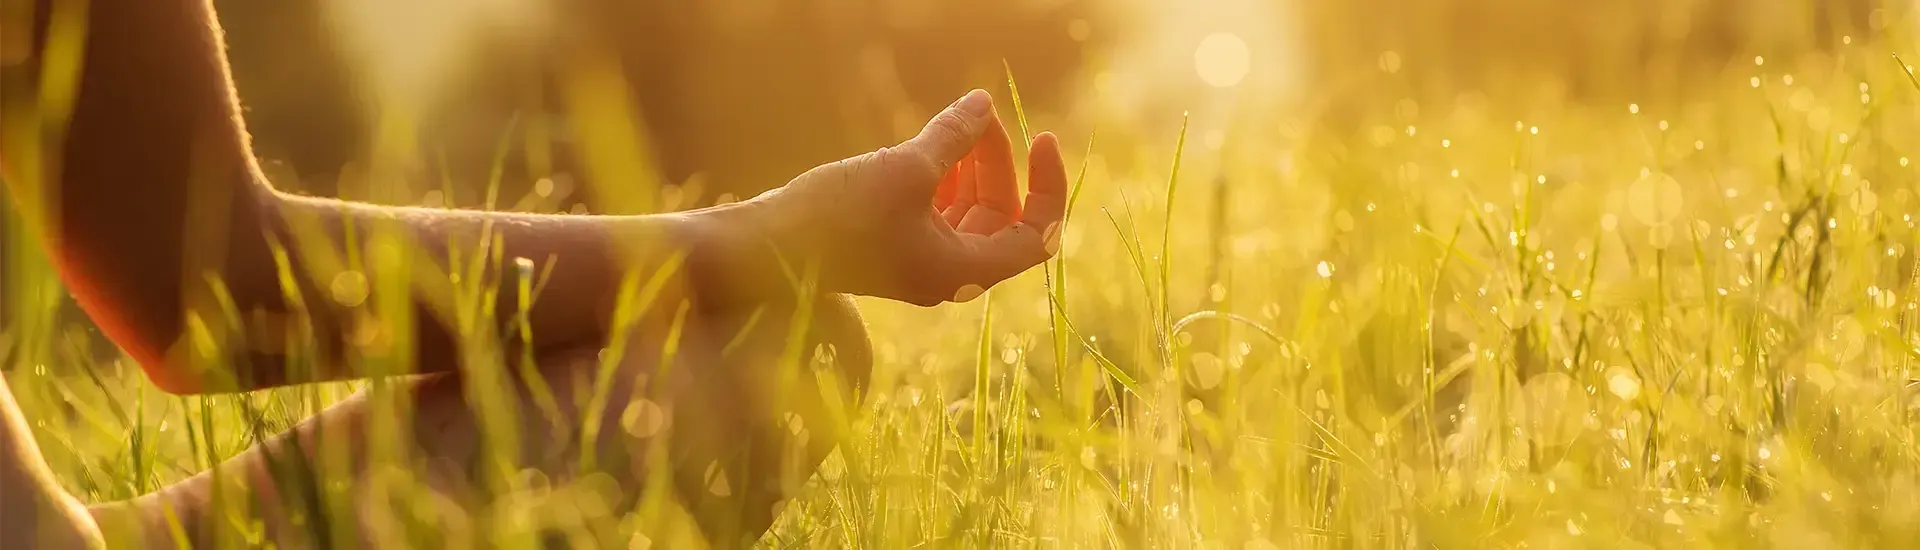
(976, 103)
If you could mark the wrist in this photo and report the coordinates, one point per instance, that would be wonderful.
(746, 251)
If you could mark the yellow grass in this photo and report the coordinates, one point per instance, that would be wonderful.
(1684, 322)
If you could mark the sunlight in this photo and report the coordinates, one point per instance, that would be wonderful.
(1221, 59)
(406, 51)
(1175, 53)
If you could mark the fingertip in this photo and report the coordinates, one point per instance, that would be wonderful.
(977, 102)
(1047, 169)
(1046, 139)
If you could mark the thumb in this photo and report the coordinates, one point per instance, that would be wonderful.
(950, 135)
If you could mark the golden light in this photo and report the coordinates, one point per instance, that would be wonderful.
(1222, 59)
(407, 50)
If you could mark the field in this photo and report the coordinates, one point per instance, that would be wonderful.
(1389, 323)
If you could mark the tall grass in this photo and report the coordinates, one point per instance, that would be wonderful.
(1684, 323)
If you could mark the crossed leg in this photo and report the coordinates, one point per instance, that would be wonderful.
(731, 426)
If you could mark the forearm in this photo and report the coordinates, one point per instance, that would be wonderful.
(458, 273)
(159, 219)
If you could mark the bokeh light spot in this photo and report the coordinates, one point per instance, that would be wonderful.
(1222, 60)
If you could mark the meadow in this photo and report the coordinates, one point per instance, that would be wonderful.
(1689, 321)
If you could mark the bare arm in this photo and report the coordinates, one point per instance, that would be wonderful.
(155, 192)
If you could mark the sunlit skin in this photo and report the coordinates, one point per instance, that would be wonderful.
(158, 192)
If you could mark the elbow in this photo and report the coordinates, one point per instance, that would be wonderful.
(173, 381)
(165, 365)
(143, 336)
(182, 371)
(161, 350)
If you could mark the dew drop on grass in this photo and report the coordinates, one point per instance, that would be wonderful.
(1660, 236)
(1623, 383)
(1555, 407)
(1389, 62)
(1820, 377)
(1864, 201)
(1079, 30)
(1207, 370)
(1655, 198)
(643, 418)
(349, 288)
(1325, 269)
(717, 480)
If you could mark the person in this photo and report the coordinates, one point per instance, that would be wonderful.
(157, 217)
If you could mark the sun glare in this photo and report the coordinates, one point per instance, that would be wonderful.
(1222, 59)
(406, 49)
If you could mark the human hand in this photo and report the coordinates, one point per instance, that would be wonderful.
(937, 218)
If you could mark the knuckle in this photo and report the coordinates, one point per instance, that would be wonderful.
(910, 163)
(952, 125)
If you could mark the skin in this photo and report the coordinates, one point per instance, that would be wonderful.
(152, 191)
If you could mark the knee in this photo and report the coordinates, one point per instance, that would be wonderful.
(838, 327)
(749, 338)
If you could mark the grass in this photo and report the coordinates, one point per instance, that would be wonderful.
(1686, 323)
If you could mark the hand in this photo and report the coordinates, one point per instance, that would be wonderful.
(937, 218)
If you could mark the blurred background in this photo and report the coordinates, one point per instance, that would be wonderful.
(738, 96)
(688, 103)
(1611, 191)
